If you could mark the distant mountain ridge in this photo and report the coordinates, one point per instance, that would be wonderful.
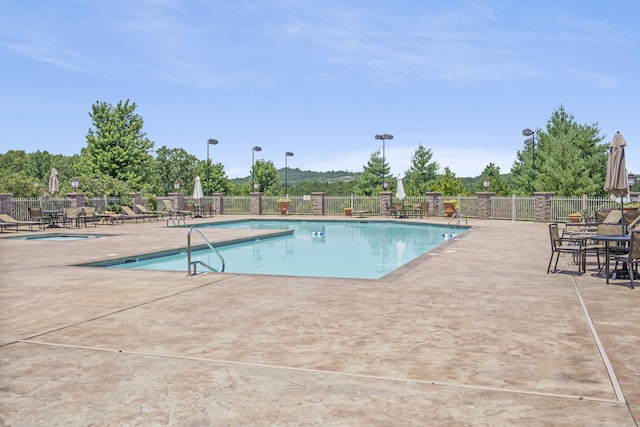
(295, 175)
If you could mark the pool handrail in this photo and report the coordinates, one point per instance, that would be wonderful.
(194, 263)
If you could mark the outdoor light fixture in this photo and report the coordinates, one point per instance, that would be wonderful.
(531, 142)
(176, 185)
(384, 137)
(210, 141)
(632, 180)
(286, 190)
(74, 183)
(485, 183)
(253, 163)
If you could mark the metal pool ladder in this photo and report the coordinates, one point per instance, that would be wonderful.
(195, 263)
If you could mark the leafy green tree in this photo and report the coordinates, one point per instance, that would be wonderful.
(496, 183)
(569, 159)
(372, 178)
(266, 175)
(117, 146)
(422, 173)
(170, 165)
(448, 184)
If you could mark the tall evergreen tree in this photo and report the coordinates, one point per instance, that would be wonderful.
(372, 179)
(496, 182)
(422, 173)
(448, 184)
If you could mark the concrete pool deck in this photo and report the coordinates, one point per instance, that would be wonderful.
(472, 333)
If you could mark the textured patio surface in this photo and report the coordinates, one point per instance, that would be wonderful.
(473, 333)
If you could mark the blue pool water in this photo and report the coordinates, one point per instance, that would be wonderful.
(347, 249)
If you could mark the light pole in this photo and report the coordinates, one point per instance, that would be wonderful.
(286, 190)
(383, 137)
(531, 142)
(210, 141)
(253, 163)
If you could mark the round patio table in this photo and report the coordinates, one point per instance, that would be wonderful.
(620, 240)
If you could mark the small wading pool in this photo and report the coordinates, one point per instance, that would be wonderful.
(59, 237)
(345, 249)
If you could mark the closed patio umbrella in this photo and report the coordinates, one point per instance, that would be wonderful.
(400, 194)
(197, 190)
(617, 181)
(54, 185)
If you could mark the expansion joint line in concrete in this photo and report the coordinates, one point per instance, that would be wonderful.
(322, 372)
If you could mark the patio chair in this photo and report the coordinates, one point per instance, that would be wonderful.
(130, 214)
(631, 259)
(90, 215)
(7, 221)
(174, 212)
(36, 215)
(634, 225)
(71, 215)
(611, 217)
(207, 209)
(560, 245)
(398, 210)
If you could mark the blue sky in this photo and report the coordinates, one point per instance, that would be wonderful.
(320, 78)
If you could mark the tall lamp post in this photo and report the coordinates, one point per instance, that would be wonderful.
(253, 163)
(286, 189)
(531, 142)
(383, 137)
(210, 141)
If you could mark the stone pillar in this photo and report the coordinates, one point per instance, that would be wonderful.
(137, 199)
(255, 203)
(77, 199)
(542, 206)
(432, 198)
(5, 204)
(177, 201)
(218, 202)
(484, 204)
(317, 203)
(385, 203)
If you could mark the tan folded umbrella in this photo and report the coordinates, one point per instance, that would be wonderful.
(617, 181)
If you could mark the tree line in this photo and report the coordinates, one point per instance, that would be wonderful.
(566, 157)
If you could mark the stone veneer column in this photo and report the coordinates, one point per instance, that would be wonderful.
(256, 203)
(77, 199)
(177, 201)
(484, 204)
(5, 203)
(542, 206)
(432, 198)
(218, 202)
(137, 200)
(385, 203)
(317, 203)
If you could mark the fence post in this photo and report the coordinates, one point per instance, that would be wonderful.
(255, 204)
(5, 203)
(542, 206)
(484, 204)
(218, 202)
(317, 203)
(432, 199)
(385, 203)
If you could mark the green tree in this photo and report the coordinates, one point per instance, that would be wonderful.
(569, 159)
(496, 183)
(448, 184)
(372, 178)
(170, 165)
(117, 146)
(266, 175)
(422, 173)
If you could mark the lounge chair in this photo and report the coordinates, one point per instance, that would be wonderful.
(611, 217)
(174, 212)
(141, 209)
(130, 214)
(7, 221)
(36, 215)
(90, 215)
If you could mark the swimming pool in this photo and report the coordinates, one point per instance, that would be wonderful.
(345, 249)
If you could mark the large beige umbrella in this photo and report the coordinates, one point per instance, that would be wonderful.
(197, 191)
(617, 181)
(54, 185)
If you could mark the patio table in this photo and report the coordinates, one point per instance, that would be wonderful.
(53, 217)
(620, 240)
